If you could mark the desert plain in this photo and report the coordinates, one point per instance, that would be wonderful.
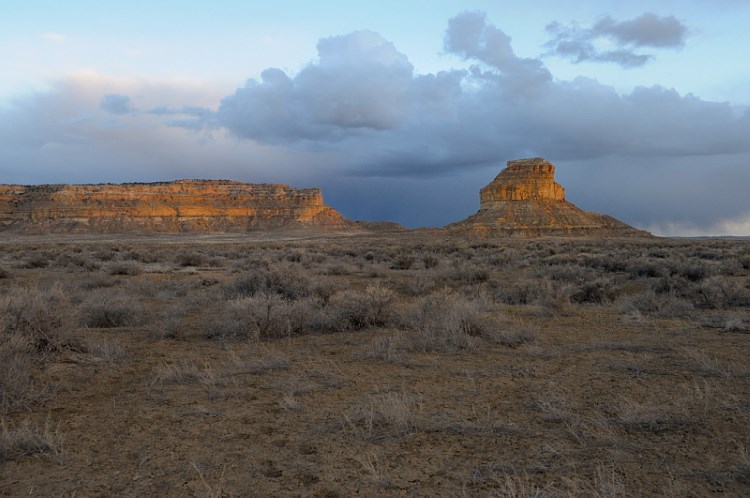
(391, 364)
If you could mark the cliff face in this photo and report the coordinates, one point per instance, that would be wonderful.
(525, 201)
(522, 180)
(180, 206)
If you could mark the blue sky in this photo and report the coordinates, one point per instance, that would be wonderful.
(398, 110)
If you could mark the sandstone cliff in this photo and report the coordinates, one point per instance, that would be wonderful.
(179, 206)
(525, 201)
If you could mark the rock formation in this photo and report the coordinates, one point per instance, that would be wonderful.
(179, 206)
(525, 201)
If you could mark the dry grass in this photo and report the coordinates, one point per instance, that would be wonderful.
(26, 439)
(375, 366)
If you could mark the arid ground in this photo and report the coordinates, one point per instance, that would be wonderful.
(401, 365)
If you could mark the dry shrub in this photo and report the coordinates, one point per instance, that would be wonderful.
(43, 316)
(99, 281)
(598, 291)
(171, 323)
(17, 387)
(691, 271)
(130, 268)
(287, 282)
(430, 261)
(76, 261)
(422, 283)
(28, 439)
(34, 323)
(262, 316)
(191, 258)
(445, 321)
(721, 293)
(37, 260)
(554, 297)
(650, 303)
(112, 311)
(388, 415)
(338, 269)
(384, 348)
(402, 261)
(646, 267)
(351, 310)
(109, 352)
(181, 372)
(466, 274)
(290, 402)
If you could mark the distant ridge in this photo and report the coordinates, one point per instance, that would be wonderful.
(524, 200)
(172, 206)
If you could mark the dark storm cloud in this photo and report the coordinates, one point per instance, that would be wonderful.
(116, 104)
(648, 30)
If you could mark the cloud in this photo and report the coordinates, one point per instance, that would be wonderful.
(387, 143)
(582, 44)
(360, 83)
(63, 136)
(54, 37)
(362, 103)
(470, 36)
(362, 99)
(116, 104)
(739, 225)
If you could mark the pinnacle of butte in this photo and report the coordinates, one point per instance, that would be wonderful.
(178, 206)
(524, 200)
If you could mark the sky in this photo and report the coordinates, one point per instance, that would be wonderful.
(397, 110)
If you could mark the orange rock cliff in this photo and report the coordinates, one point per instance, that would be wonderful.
(524, 200)
(179, 206)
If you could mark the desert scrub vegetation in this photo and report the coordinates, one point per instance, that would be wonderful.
(388, 415)
(368, 364)
(28, 439)
(36, 325)
(44, 317)
(111, 310)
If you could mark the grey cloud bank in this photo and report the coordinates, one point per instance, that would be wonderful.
(387, 143)
(116, 104)
(645, 31)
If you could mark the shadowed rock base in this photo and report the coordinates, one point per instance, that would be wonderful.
(525, 201)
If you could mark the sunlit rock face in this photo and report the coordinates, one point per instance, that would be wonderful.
(522, 180)
(524, 200)
(179, 206)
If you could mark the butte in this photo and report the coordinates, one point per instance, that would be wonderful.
(524, 200)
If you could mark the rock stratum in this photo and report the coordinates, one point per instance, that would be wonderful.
(524, 200)
(178, 206)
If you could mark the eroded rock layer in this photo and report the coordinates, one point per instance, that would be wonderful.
(179, 206)
(525, 201)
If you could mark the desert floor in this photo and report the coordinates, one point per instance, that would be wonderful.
(399, 365)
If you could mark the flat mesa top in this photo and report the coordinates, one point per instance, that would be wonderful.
(188, 182)
(532, 166)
